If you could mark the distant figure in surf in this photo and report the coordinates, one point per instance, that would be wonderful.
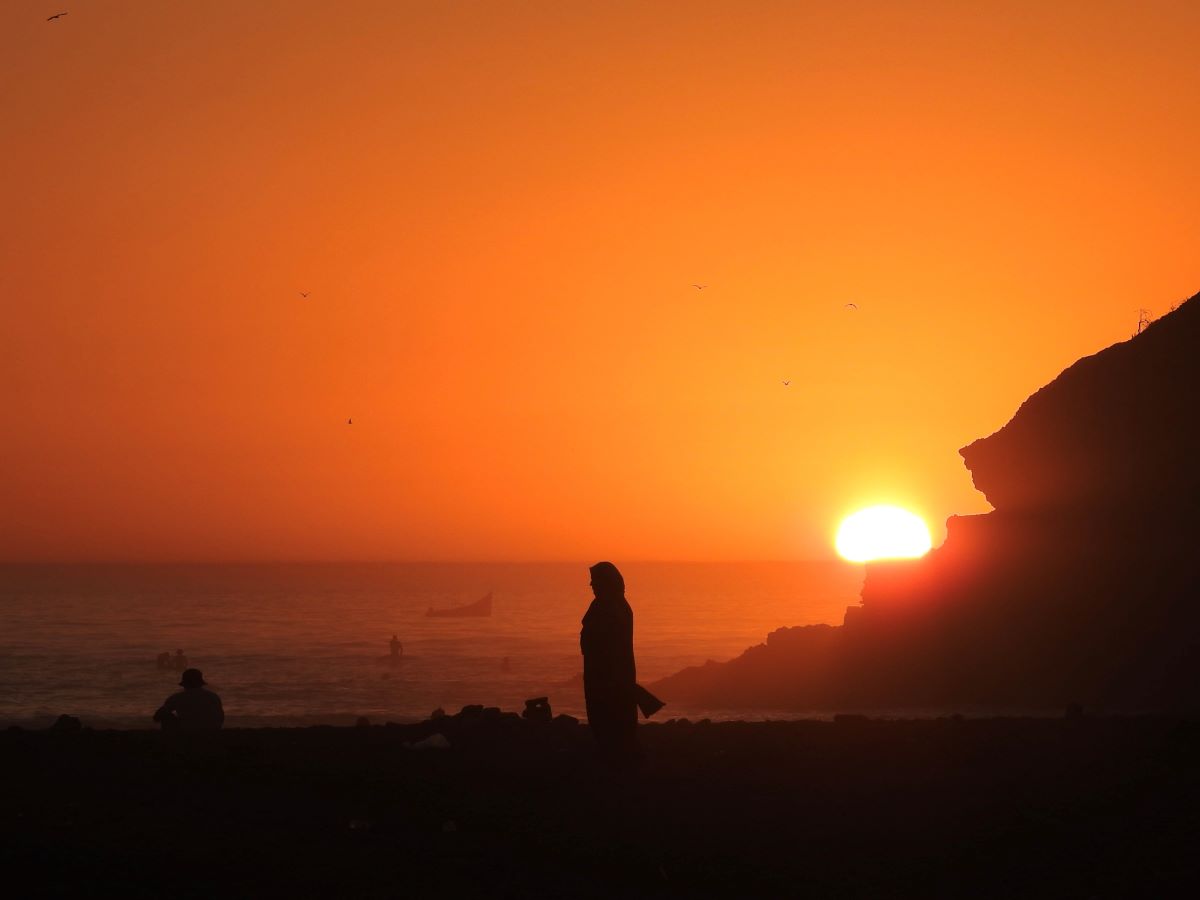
(195, 708)
(609, 672)
(179, 662)
(396, 655)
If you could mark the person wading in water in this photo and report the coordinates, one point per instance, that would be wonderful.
(609, 673)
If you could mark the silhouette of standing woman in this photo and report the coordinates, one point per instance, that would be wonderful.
(609, 674)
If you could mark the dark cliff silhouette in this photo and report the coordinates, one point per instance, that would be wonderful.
(1080, 586)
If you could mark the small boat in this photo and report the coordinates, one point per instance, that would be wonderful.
(481, 607)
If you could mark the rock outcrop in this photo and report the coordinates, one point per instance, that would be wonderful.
(1118, 428)
(1081, 585)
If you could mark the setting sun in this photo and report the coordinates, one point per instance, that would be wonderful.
(882, 532)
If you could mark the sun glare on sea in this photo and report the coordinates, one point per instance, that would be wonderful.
(882, 532)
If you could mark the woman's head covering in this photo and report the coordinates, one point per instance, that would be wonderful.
(607, 580)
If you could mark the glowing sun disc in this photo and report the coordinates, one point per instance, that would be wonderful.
(882, 532)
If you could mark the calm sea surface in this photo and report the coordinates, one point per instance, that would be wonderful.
(305, 644)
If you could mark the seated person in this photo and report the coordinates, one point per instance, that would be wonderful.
(195, 708)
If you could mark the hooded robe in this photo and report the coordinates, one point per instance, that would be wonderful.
(609, 673)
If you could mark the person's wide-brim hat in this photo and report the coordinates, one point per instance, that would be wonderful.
(192, 677)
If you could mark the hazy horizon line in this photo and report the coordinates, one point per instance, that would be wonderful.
(414, 562)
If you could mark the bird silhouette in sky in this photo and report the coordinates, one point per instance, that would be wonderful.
(786, 383)
(349, 421)
(305, 294)
(56, 16)
(699, 287)
(851, 306)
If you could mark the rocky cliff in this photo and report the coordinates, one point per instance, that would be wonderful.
(1081, 585)
(1117, 428)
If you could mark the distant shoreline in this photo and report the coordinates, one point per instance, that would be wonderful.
(782, 718)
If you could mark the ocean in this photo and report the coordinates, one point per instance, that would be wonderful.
(303, 644)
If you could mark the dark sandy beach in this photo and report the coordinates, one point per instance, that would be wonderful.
(1088, 807)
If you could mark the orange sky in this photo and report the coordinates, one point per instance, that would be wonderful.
(499, 210)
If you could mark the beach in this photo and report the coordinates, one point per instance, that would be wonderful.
(998, 807)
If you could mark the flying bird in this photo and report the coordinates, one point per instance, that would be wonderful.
(786, 383)
(305, 294)
(56, 16)
(851, 306)
(699, 287)
(349, 421)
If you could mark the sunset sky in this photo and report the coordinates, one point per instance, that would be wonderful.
(499, 211)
